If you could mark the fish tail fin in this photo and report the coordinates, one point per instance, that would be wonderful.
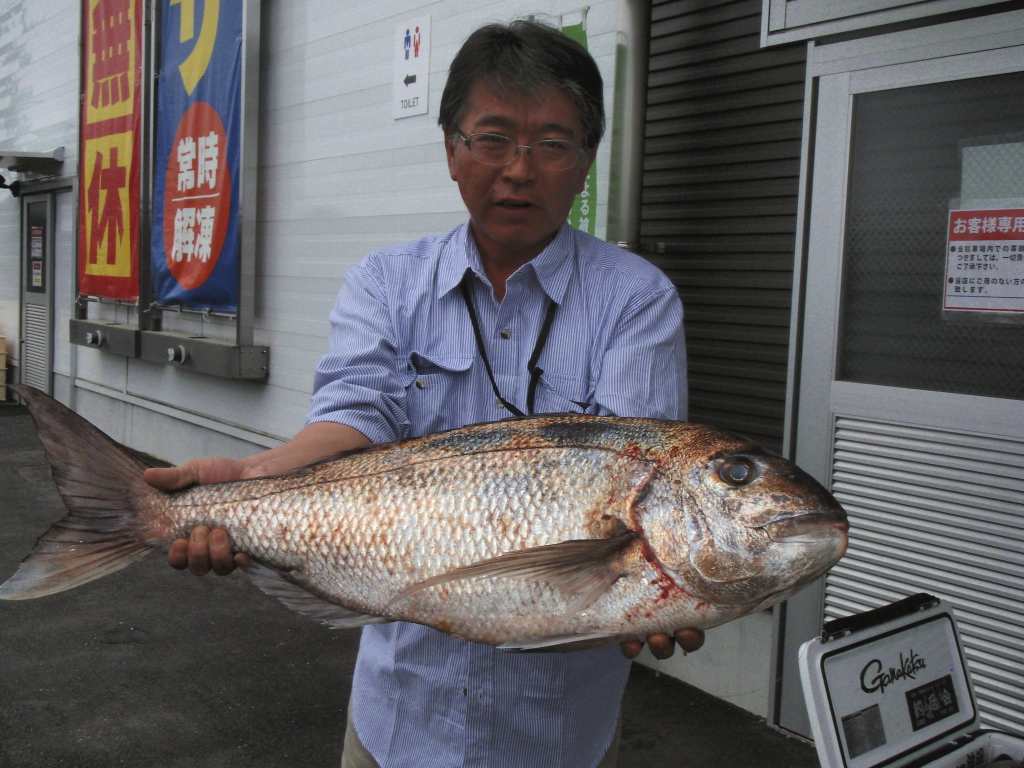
(102, 487)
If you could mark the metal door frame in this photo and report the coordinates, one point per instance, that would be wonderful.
(46, 298)
(989, 45)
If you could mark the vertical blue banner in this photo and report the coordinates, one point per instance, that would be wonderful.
(194, 246)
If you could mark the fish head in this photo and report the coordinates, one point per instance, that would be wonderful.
(743, 527)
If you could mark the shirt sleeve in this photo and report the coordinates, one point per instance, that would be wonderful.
(643, 369)
(358, 382)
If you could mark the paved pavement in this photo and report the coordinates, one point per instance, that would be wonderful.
(150, 667)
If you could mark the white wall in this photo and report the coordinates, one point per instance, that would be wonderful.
(734, 664)
(38, 112)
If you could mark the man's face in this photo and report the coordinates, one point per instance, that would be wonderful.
(516, 210)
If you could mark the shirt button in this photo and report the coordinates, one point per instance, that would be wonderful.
(421, 384)
(505, 334)
(497, 402)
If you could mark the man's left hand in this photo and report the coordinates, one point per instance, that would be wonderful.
(662, 645)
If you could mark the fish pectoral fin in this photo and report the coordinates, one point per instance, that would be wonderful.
(296, 593)
(583, 569)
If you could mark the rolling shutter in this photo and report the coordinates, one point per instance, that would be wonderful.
(718, 206)
(939, 511)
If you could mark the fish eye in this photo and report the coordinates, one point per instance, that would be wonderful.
(736, 472)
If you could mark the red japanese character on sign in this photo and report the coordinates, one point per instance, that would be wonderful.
(111, 40)
(108, 224)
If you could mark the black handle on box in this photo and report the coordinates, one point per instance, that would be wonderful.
(859, 621)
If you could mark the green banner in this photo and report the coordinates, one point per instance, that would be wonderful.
(584, 207)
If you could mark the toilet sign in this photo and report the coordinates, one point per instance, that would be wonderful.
(411, 46)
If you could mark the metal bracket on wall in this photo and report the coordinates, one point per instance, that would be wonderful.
(200, 354)
(115, 338)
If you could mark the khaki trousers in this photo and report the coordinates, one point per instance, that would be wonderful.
(354, 754)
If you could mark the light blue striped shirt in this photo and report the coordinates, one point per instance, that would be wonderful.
(403, 362)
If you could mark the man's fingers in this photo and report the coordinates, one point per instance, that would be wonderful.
(206, 550)
(632, 648)
(661, 645)
(689, 639)
(199, 550)
(221, 558)
(177, 555)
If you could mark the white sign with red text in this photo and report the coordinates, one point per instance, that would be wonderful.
(985, 260)
(411, 80)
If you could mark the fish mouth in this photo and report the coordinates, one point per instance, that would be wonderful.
(807, 527)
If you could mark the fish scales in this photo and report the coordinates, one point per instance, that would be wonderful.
(536, 532)
(366, 526)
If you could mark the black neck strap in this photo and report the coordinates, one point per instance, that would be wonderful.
(535, 371)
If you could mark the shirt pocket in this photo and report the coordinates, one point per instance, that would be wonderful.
(436, 384)
(533, 676)
(563, 394)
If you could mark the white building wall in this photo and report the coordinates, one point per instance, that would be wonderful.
(338, 177)
(38, 112)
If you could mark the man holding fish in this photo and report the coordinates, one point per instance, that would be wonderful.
(513, 313)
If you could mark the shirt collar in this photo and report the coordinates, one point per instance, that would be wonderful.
(552, 266)
(455, 261)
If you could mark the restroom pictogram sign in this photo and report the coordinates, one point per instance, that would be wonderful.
(411, 77)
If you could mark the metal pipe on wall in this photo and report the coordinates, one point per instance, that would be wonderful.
(627, 112)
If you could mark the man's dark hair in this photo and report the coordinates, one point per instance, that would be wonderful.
(524, 57)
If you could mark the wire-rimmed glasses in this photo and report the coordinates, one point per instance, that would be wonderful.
(499, 150)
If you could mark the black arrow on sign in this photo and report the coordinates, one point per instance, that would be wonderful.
(409, 79)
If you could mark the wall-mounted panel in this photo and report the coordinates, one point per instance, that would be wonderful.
(786, 21)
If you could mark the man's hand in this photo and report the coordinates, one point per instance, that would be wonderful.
(662, 645)
(204, 550)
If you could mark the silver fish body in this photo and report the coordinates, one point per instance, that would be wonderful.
(523, 533)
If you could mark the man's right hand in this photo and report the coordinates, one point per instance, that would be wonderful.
(205, 549)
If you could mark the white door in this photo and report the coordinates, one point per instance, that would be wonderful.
(912, 415)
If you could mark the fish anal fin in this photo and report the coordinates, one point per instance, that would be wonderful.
(294, 592)
(559, 644)
(583, 569)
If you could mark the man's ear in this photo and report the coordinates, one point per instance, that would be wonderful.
(584, 168)
(449, 151)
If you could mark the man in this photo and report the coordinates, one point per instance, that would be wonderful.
(513, 313)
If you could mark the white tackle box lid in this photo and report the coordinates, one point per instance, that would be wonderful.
(886, 687)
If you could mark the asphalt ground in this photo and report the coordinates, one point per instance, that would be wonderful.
(151, 667)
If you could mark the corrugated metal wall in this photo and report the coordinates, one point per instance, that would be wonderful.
(718, 206)
(938, 511)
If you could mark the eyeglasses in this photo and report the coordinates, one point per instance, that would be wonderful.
(498, 150)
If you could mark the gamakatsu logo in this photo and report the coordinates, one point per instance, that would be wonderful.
(875, 678)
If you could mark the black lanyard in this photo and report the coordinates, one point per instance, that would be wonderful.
(535, 371)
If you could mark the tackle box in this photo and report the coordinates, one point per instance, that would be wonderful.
(890, 687)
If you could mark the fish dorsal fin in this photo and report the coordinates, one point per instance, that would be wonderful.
(583, 569)
(294, 592)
